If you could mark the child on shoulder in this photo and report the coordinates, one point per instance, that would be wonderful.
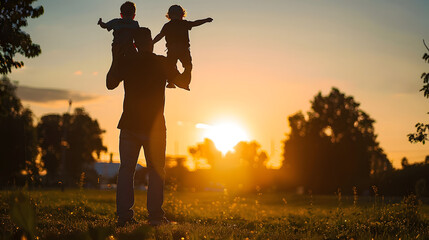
(176, 33)
(122, 34)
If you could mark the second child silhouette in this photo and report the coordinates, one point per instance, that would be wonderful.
(176, 33)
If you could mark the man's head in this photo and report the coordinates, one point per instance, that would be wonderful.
(128, 10)
(176, 12)
(143, 39)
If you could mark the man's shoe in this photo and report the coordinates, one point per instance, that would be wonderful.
(123, 223)
(162, 221)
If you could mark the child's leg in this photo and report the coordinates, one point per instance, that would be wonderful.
(186, 60)
(172, 57)
(172, 60)
(116, 52)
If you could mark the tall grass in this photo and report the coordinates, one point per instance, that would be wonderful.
(90, 214)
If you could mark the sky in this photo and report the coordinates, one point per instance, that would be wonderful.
(256, 64)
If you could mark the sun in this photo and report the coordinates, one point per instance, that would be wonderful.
(224, 135)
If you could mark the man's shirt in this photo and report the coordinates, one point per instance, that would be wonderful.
(144, 76)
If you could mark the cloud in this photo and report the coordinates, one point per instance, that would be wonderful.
(44, 95)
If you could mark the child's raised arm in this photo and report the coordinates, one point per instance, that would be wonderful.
(101, 23)
(201, 22)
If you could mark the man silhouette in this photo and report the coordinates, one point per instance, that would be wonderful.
(142, 124)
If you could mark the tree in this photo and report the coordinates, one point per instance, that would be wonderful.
(422, 129)
(404, 162)
(13, 16)
(80, 134)
(333, 146)
(18, 145)
(248, 155)
(380, 164)
(412, 178)
(50, 131)
(206, 150)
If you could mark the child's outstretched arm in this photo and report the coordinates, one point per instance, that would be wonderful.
(201, 22)
(158, 37)
(101, 23)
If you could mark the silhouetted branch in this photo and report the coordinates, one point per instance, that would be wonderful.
(425, 45)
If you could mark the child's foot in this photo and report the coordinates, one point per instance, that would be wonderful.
(183, 80)
(171, 85)
(182, 84)
(179, 82)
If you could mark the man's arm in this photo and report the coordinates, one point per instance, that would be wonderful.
(200, 22)
(112, 81)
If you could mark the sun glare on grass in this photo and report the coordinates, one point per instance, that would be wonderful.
(224, 135)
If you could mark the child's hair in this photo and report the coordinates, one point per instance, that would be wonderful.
(128, 8)
(176, 10)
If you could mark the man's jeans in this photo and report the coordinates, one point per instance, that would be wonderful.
(130, 144)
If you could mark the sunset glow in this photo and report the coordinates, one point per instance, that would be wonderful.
(224, 135)
(370, 50)
(242, 119)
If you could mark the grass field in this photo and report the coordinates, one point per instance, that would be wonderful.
(90, 214)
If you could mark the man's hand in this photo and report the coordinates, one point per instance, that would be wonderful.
(207, 19)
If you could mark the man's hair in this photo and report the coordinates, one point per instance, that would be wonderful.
(142, 34)
(143, 38)
(176, 10)
(128, 8)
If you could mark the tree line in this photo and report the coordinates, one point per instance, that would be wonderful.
(333, 146)
(60, 146)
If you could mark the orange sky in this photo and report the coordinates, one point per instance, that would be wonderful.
(257, 63)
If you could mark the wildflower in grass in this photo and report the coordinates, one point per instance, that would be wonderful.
(355, 196)
(339, 196)
(82, 180)
(284, 201)
(23, 213)
(375, 190)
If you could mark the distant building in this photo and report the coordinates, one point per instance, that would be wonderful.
(107, 172)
